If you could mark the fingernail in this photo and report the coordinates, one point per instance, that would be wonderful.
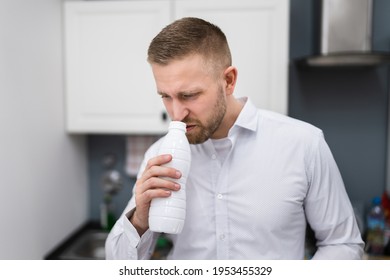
(177, 186)
(178, 174)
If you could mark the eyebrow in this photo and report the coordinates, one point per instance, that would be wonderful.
(193, 91)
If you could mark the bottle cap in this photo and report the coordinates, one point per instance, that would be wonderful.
(376, 200)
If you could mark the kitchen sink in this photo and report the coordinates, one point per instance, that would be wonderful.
(89, 245)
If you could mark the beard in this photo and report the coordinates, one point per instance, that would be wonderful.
(203, 132)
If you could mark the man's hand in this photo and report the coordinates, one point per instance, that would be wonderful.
(151, 185)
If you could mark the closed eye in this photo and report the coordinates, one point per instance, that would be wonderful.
(188, 96)
(163, 95)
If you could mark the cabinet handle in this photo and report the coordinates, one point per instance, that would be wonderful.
(164, 116)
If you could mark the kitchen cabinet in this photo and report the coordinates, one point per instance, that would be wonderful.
(109, 85)
(257, 32)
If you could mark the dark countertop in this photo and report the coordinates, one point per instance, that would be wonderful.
(56, 253)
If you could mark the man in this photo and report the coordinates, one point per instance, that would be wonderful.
(257, 178)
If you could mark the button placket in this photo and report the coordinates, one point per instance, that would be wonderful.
(221, 208)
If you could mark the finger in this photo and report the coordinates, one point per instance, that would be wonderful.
(152, 164)
(156, 183)
(150, 194)
(158, 160)
(160, 183)
(161, 171)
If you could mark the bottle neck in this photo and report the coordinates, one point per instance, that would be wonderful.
(176, 125)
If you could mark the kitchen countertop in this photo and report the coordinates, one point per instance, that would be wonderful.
(58, 251)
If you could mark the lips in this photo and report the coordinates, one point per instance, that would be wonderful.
(190, 127)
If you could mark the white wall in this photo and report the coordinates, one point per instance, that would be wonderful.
(43, 171)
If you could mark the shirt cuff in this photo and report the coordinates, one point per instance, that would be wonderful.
(130, 231)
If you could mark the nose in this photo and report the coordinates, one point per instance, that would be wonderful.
(179, 111)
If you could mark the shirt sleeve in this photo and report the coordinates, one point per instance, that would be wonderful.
(123, 241)
(328, 208)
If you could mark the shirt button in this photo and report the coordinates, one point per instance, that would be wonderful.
(213, 156)
(222, 237)
(220, 196)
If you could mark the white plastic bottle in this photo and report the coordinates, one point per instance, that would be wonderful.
(168, 214)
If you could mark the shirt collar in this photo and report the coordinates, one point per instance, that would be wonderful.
(248, 116)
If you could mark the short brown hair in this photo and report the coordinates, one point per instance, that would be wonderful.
(188, 36)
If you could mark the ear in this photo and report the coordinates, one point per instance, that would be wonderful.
(230, 77)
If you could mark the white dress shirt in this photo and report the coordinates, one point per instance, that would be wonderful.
(276, 174)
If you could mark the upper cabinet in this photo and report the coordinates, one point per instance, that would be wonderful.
(109, 84)
(257, 32)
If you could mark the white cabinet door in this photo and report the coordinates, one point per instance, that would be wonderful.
(109, 84)
(257, 32)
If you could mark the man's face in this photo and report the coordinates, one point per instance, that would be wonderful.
(192, 94)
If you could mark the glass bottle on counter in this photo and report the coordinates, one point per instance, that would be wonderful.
(375, 228)
(386, 209)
